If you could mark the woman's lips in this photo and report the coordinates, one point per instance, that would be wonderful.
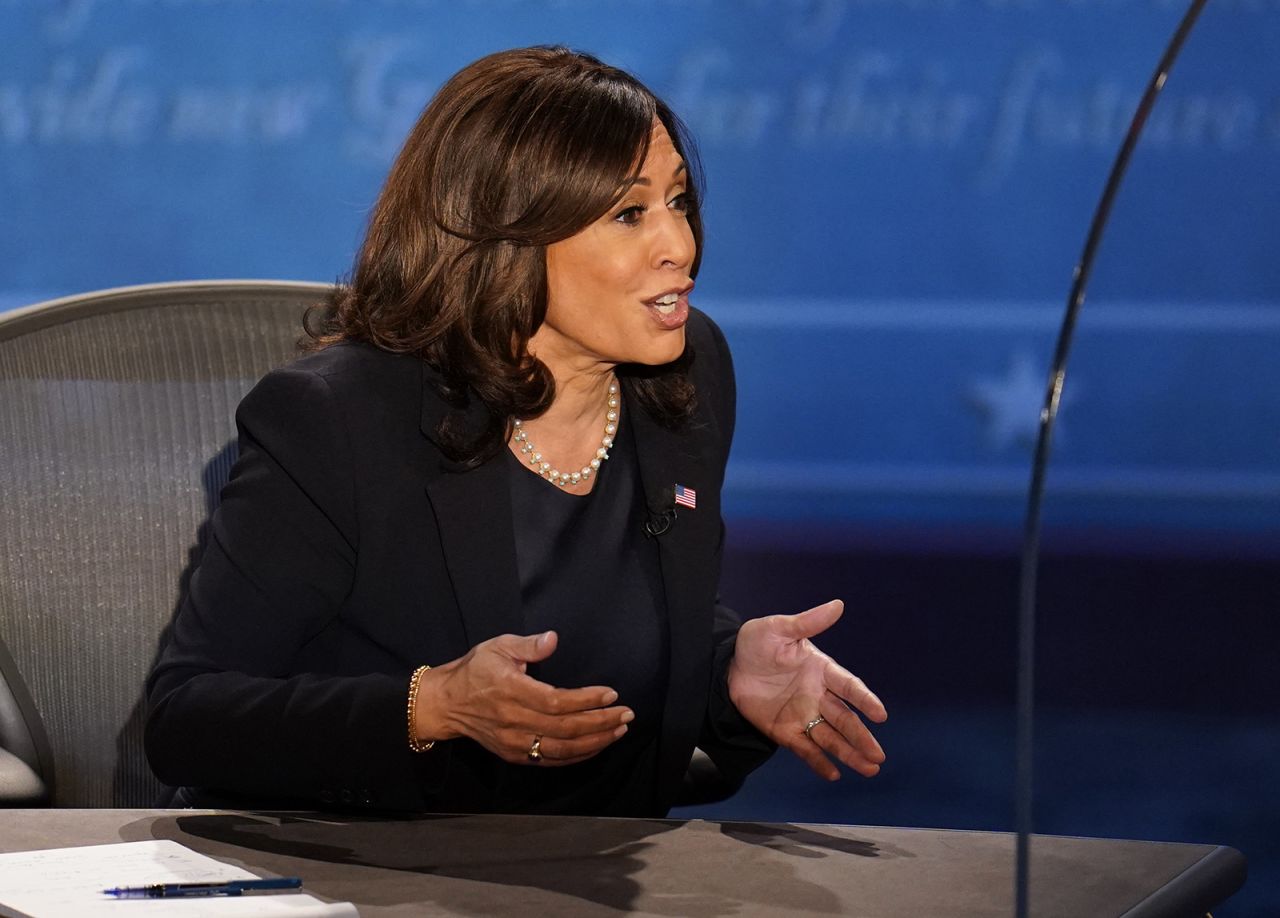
(670, 315)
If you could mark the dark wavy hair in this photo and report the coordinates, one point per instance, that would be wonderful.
(518, 150)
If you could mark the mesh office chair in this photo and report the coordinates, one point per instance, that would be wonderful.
(116, 436)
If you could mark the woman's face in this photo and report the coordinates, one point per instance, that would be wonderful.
(618, 291)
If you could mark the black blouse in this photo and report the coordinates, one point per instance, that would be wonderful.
(588, 571)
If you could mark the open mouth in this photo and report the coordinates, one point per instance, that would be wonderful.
(666, 304)
(671, 309)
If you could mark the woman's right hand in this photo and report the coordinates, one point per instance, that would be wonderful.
(489, 697)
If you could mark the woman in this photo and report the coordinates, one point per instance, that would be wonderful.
(451, 571)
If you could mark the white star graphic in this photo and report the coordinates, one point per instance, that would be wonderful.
(1012, 404)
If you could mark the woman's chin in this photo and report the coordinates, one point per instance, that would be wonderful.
(668, 351)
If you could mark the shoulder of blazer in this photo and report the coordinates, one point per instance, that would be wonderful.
(704, 334)
(357, 365)
(712, 370)
(373, 396)
(368, 384)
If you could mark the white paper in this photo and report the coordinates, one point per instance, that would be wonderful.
(68, 883)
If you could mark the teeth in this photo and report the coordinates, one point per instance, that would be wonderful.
(667, 299)
(666, 308)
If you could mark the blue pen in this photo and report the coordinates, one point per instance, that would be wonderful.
(179, 890)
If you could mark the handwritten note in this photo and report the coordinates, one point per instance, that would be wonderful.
(68, 883)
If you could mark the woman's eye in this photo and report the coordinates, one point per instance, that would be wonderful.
(680, 203)
(629, 215)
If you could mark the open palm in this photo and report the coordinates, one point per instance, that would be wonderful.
(782, 683)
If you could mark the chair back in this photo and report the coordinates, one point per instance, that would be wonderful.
(116, 436)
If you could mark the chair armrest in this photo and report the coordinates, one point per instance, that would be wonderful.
(704, 783)
(19, 785)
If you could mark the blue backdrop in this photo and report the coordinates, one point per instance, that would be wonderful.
(898, 191)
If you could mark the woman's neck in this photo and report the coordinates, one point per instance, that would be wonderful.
(580, 397)
(569, 433)
(582, 381)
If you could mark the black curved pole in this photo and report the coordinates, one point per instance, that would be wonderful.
(1048, 414)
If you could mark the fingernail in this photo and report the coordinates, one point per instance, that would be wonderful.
(609, 697)
(621, 730)
(628, 716)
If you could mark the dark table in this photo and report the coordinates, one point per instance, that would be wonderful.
(569, 866)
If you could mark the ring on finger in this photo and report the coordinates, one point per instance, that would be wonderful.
(535, 751)
(808, 728)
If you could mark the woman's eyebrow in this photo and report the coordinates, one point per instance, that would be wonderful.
(641, 180)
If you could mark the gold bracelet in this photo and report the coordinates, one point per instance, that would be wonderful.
(416, 744)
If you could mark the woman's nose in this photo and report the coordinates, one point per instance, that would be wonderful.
(674, 244)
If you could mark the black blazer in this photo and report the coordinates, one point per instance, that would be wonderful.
(347, 550)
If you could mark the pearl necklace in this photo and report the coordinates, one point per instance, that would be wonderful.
(568, 479)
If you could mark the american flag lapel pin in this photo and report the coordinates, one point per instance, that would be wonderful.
(686, 497)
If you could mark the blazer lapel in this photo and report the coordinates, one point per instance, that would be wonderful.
(473, 516)
(689, 559)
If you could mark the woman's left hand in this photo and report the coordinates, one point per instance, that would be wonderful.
(782, 683)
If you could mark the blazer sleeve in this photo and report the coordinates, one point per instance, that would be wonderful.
(728, 738)
(227, 711)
